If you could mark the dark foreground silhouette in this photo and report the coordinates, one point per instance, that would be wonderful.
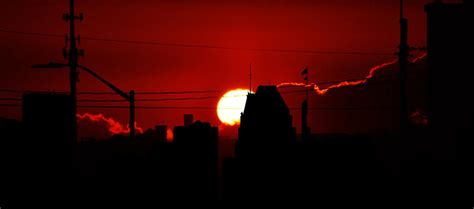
(271, 167)
(424, 167)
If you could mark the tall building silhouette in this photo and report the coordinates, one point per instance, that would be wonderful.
(449, 45)
(265, 122)
(450, 113)
(264, 152)
(450, 72)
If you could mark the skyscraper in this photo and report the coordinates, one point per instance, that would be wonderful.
(265, 122)
(449, 43)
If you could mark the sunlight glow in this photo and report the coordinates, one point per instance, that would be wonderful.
(231, 105)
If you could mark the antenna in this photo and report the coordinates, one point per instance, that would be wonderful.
(250, 79)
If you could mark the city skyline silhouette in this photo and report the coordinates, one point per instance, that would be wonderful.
(331, 104)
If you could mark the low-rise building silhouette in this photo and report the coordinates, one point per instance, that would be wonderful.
(195, 160)
(48, 116)
(160, 133)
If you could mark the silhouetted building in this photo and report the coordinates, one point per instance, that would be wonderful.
(264, 151)
(265, 122)
(450, 108)
(48, 117)
(449, 45)
(160, 133)
(195, 158)
(195, 133)
(48, 145)
(448, 37)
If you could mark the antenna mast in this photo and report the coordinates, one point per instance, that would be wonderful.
(250, 79)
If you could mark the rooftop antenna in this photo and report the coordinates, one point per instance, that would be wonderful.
(250, 79)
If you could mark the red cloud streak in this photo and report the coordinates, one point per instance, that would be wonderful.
(113, 126)
(372, 71)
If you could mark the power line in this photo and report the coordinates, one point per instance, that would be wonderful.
(111, 93)
(386, 77)
(180, 92)
(139, 100)
(374, 108)
(148, 100)
(333, 52)
(379, 81)
(31, 33)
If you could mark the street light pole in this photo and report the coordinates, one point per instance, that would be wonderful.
(128, 97)
(73, 55)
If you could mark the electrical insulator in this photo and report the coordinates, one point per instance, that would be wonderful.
(66, 17)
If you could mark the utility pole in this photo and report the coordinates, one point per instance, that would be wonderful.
(403, 62)
(73, 56)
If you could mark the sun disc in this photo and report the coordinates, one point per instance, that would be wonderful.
(231, 105)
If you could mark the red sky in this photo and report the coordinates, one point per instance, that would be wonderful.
(332, 25)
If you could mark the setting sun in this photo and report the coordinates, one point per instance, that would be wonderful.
(231, 105)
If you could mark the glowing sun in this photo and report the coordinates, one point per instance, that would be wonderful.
(231, 105)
